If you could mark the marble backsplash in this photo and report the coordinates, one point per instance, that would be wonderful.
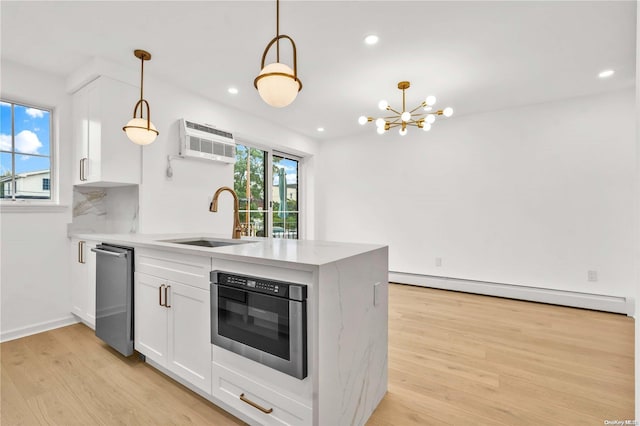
(104, 210)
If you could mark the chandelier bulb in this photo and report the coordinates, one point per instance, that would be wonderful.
(426, 127)
(402, 132)
(448, 112)
(406, 116)
(380, 123)
(383, 105)
(362, 120)
(431, 100)
(380, 130)
(430, 118)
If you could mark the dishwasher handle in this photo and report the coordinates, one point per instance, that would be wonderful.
(110, 253)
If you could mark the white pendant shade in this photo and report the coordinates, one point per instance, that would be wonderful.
(278, 90)
(137, 132)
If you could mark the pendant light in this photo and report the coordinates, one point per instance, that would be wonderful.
(277, 84)
(141, 130)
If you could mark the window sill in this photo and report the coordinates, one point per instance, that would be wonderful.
(30, 207)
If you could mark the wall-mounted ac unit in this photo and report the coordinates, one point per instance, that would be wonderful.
(205, 142)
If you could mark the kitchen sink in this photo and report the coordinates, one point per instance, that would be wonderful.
(206, 242)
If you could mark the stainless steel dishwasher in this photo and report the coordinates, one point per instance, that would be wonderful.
(114, 296)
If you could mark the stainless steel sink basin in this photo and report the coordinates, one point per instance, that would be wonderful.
(206, 242)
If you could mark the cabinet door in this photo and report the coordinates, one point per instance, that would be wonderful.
(94, 112)
(90, 283)
(120, 159)
(150, 318)
(80, 116)
(79, 289)
(189, 335)
(104, 156)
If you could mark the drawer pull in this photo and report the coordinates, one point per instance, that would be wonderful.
(160, 295)
(253, 404)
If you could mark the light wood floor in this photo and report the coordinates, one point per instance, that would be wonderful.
(454, 358)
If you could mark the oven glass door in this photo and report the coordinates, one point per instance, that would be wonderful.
(254, 319)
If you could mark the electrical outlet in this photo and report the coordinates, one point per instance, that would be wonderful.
(438, 261)
(592, 276)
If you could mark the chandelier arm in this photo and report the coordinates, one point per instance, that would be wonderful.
(417, 108)
(391, 109)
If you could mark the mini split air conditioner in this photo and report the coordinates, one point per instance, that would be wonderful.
(206, 143)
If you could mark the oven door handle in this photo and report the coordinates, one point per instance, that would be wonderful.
(110, 253)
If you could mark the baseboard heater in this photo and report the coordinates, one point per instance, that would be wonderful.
(598, 302)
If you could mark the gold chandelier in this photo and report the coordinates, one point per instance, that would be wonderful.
(421, 119)
(277, 84)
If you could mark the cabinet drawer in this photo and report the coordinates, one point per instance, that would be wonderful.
(229, 386)
(192, 270)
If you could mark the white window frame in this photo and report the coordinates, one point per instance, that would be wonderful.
(51, 204)
(269, 179)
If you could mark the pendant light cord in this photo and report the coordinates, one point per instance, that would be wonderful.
(141, 76)
(278, 30)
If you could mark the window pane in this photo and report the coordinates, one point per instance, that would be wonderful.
(31, 130)
(285, 197)
(286, 226)
(30, 173)
(5, 126)
(249, 174)
(5, 175)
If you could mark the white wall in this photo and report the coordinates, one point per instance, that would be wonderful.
(34, 272)
(533, 196)
(181, 203)
(637, 216)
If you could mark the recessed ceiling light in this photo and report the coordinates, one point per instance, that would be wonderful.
(320, 129)
(232, 90)
(606, 73)
(371, 39)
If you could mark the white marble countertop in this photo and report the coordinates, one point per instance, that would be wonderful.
(272, 250)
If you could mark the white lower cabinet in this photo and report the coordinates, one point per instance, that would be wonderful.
(172, 327)
(263, 404)
(83, 281)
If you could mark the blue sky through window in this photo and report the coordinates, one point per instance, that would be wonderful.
(32, 136)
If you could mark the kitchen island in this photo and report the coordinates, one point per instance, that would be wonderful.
(345, 333)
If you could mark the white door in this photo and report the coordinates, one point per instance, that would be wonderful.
(150, 317)
(90, 283)
(189, 335)
(79, 290)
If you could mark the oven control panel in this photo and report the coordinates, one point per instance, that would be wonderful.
(260, 285)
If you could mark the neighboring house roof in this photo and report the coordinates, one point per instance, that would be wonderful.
(24, 175)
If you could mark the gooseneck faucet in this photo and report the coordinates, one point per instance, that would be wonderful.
(213, 207)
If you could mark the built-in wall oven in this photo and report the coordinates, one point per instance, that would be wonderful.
(261, 319)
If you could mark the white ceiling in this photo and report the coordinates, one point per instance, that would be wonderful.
(474, 56)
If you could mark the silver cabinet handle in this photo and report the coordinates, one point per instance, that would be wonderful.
(81, 252)
(166, 299)
(83, 169)
(110, 253)
(160, 295)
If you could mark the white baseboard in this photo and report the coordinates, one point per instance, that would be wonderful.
(598, 302)
(17, 333)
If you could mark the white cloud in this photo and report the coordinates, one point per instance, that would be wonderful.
(34, 113)
(27, 142)
(5, 142)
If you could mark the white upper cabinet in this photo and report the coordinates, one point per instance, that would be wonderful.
(104, 156)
